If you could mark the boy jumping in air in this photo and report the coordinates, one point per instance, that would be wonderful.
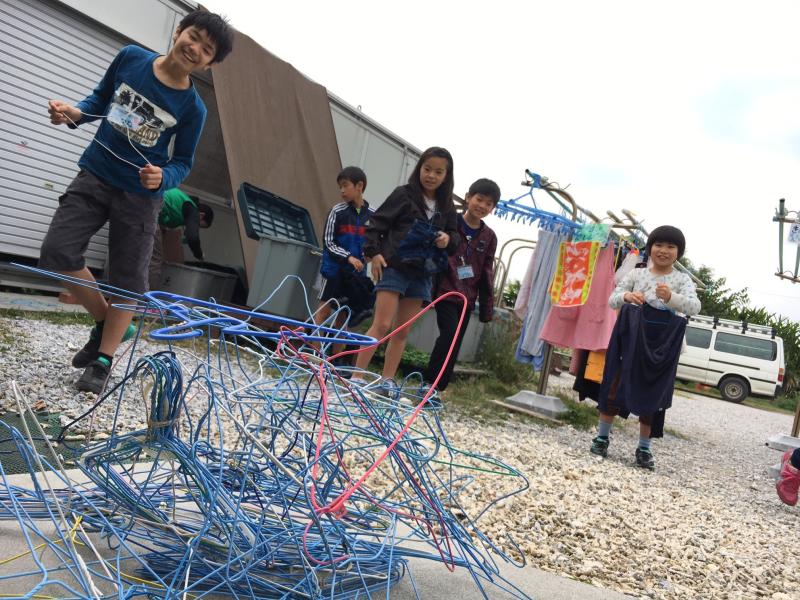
(152, 118)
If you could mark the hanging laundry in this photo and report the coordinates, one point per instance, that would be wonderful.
(534, 307)
(642, 360)
(592, 232)
(578, 361)
(574, 271)
(629, 263)
(588, 326)
(595, 363)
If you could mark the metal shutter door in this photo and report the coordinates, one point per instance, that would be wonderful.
(48, 52)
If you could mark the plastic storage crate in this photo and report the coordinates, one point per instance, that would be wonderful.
(268, 215)
(287, 245)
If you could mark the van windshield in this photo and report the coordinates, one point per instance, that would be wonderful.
(746, 346)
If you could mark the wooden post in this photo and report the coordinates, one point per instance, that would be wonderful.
(796, 424)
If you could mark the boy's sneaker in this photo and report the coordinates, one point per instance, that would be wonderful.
(599, 446)
(390, 388)
(94, 377)
(343, 367)
(644, 459)
(89, 352)
(789, 481)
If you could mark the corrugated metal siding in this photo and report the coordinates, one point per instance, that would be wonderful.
(48, 52)
(387, 161)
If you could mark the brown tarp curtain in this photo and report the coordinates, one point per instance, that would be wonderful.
(278, 133)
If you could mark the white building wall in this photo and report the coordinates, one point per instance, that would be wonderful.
(386, 158)
(149, 23)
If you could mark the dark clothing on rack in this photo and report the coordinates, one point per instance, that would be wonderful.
(395, 218)
(587, 388)
(643, 355)
(447, 315)
(476, 252)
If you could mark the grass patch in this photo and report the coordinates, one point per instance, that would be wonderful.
(581, 415)
(7, 339)
(675, 433)
(57, 318)
(413, 360)
(780, 404)
(499, 354)
(709, 391)
(474, 396)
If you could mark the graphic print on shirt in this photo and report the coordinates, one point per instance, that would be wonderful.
(134, 115)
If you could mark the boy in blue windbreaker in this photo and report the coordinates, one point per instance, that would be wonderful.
(344, 277)
(152, 118)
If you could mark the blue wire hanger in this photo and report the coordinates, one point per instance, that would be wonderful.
(515, 210)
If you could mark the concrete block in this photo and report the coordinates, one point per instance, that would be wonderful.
(548, 406)
(783, 442)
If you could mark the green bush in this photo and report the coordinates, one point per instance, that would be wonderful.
(510, 292)
(498, 349)
(413, 359)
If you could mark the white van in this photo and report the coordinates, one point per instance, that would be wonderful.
(737, 357)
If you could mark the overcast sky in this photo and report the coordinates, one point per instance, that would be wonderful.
(686, 113)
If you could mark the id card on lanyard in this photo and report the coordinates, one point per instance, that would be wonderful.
(464, 271)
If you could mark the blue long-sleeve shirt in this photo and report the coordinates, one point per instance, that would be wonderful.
(141, 108)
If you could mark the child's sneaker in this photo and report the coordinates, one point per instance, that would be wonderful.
(644, 459)
(789, 481)
(599, 446)
(390, 388)
(89, 352)
(94, 377)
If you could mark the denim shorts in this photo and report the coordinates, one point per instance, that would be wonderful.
(407, 286)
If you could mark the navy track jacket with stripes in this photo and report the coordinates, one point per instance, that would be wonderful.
(344, 237)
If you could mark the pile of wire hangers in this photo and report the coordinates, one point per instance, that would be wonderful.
(293, 483)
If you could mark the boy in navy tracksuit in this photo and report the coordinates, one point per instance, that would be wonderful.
(471, 272)
(152, 117)
(344, 277)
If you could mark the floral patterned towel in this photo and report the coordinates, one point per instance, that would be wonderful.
(573, 277)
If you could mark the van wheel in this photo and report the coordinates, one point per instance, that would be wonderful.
(734, 389)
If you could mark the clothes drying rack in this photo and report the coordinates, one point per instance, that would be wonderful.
(517, 209)
(575, 215)
(784, 217)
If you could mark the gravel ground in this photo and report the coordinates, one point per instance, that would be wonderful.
(706, 524)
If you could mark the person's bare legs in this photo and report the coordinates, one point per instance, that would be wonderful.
(117, 322)
(339, 324)
(386, 304)
(645, 430)
(89, 298)
(408, 307)
(323, 312)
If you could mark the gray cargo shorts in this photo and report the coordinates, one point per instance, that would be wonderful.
(86, 205)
